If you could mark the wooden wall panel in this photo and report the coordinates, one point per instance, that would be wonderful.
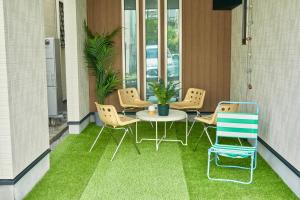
(206, 47)
(141, 50)
(104, 16)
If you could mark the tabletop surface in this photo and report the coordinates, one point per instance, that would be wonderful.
(174, 115)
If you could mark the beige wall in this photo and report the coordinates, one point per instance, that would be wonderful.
(50, 20)
(77, 79)
(51, 30)
(23, 75)
(276, 72)
(5, 139)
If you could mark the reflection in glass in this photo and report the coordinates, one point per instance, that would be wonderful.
(130, 46)
(173, 37)
(151, 37)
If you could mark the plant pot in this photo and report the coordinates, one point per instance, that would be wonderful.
(163, 110)
(98, 120)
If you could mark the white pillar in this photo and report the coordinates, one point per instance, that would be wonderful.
(24, 134)
(76, 70)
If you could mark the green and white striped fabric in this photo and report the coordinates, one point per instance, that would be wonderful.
(233, 151)
(237, 125)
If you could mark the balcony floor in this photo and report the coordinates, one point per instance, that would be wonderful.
(173, 172)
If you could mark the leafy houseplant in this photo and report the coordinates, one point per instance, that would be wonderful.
(163, 93)
(99, 54)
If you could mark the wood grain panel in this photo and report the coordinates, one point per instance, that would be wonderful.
(103, 17)
(206, 50)
(206, 46)
(141, 48)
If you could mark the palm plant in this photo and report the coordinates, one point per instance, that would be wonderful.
(162, 92)
(99, 53)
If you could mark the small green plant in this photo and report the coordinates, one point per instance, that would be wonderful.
(162, 92)
(99, 54)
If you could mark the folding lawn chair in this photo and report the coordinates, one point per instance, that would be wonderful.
(235, 125)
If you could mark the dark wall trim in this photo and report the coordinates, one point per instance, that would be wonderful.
(244, 26)
(283, 160)
(27, 169)
(56, 137)
(82, 120)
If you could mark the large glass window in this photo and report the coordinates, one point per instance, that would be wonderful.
(172, 49)
(151, 43)
(130, 48)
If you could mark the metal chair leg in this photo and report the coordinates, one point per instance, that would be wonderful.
(198, 141)
(240, 141)
(151, 124)
(117, 149)
(197, 115)
(132, 139)
(171, 125)
(208, 136)
(191, 127)
(114, 138)
(96, 138)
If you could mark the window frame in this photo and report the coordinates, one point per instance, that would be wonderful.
(166, 44)
(158, 46)
(137, 44)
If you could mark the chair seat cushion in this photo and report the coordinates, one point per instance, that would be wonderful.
(127, 120)
(233, 151)
(205, 119)
(138, 104)
(184, 105)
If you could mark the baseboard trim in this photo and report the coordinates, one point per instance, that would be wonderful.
(25, 171)
(56, 137)
(282, 159)
(82, 120)
(76, 127)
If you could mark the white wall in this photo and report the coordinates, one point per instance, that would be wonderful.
(76, 70)
(5, 140)
(276, 72)
(24, 92)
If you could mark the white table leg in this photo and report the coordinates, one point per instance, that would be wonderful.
(186, 130)
(156, 136)
(136, 134)
(165, 130)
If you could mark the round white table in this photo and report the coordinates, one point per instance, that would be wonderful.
(174, 115)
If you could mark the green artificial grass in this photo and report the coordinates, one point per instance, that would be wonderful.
(173, 172)
(151, 175)
(71, 167)
(266, 183)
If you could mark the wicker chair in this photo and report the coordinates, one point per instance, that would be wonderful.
(209, 121)
(112, 120)
(193, 101)
(130, 99)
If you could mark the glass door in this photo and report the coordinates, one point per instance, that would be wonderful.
(152, 44)
(130, 43)
(173, 42)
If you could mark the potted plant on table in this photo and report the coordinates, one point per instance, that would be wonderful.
(163, 93)
(99, 53)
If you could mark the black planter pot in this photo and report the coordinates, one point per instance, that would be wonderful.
(163, 110)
